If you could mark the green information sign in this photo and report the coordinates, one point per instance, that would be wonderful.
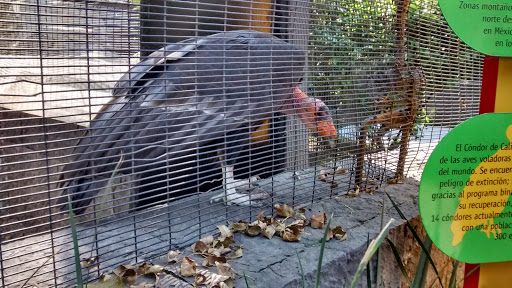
(485, 25)
(465, 189)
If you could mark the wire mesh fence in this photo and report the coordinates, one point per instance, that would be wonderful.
(142, 140)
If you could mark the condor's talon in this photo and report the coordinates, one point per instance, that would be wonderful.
(217, 198)
(239, 199)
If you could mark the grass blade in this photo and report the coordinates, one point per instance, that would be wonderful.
(44, 263)
(470, 273)
(372, 248)
(453, 277)
(301, 271)
(427, 254)
(368, 272)
(78, 267)
(246, 283)
(422, 269)
(321, 256)
(399, 261)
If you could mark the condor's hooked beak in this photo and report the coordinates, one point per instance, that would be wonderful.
(315, 115)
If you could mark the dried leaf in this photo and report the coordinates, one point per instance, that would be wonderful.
(173, 257)
(269, 231)
(237, 254)
(200, 279)
(90, 263)
(292, 233)
(188, 267)
(200, 247)
(339, 233)
(225, 231)
(301, 221)
(260, 216)
(253, 229)
(355, 193)
(157, 269)
(285, 211)
(127, 273)
(226, 242)
(269, 220)
(215, 280)
(107, 281)
(210, 260)
(318, 220)
(219, 251)
(302, 210)
(227, 284)
(146, 268)
(329, 235)
(143, 285)
(224, 269)
(279, 226)
(207, 240)
(239, 226)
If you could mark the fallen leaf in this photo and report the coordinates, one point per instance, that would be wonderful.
(225, 241)
(279, 226)
(210, 260)
(237, 254)
(173, 257)
(329, 235)
(224, 269)
(285, 211)
(253, 229)
(239, 226)
(143, 285)
(188, 267)
(225, 231)
(269, 231)
(292, 233)
(200, 247)
(355, 193)
(301, 221)
(260, 216)
(208, 240)
(322, 177)
(215, 280)
(90, 263)
(127, 273)
(339, 233)
(170, 280)
(318, 220)
(146, 268)
(219, 251)
(200, 279)
(107, 281)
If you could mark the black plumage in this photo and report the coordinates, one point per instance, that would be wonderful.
(198, 99)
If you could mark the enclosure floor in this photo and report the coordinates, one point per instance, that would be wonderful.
(145, 235)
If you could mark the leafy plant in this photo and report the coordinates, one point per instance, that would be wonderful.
(372, 248)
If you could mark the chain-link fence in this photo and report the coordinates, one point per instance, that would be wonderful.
(141, 152)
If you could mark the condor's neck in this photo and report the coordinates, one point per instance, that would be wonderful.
(295, 103)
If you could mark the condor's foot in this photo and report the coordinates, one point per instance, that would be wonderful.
(231, 195)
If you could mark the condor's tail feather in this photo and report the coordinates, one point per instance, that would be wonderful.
(81, 192)
(83, 187)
